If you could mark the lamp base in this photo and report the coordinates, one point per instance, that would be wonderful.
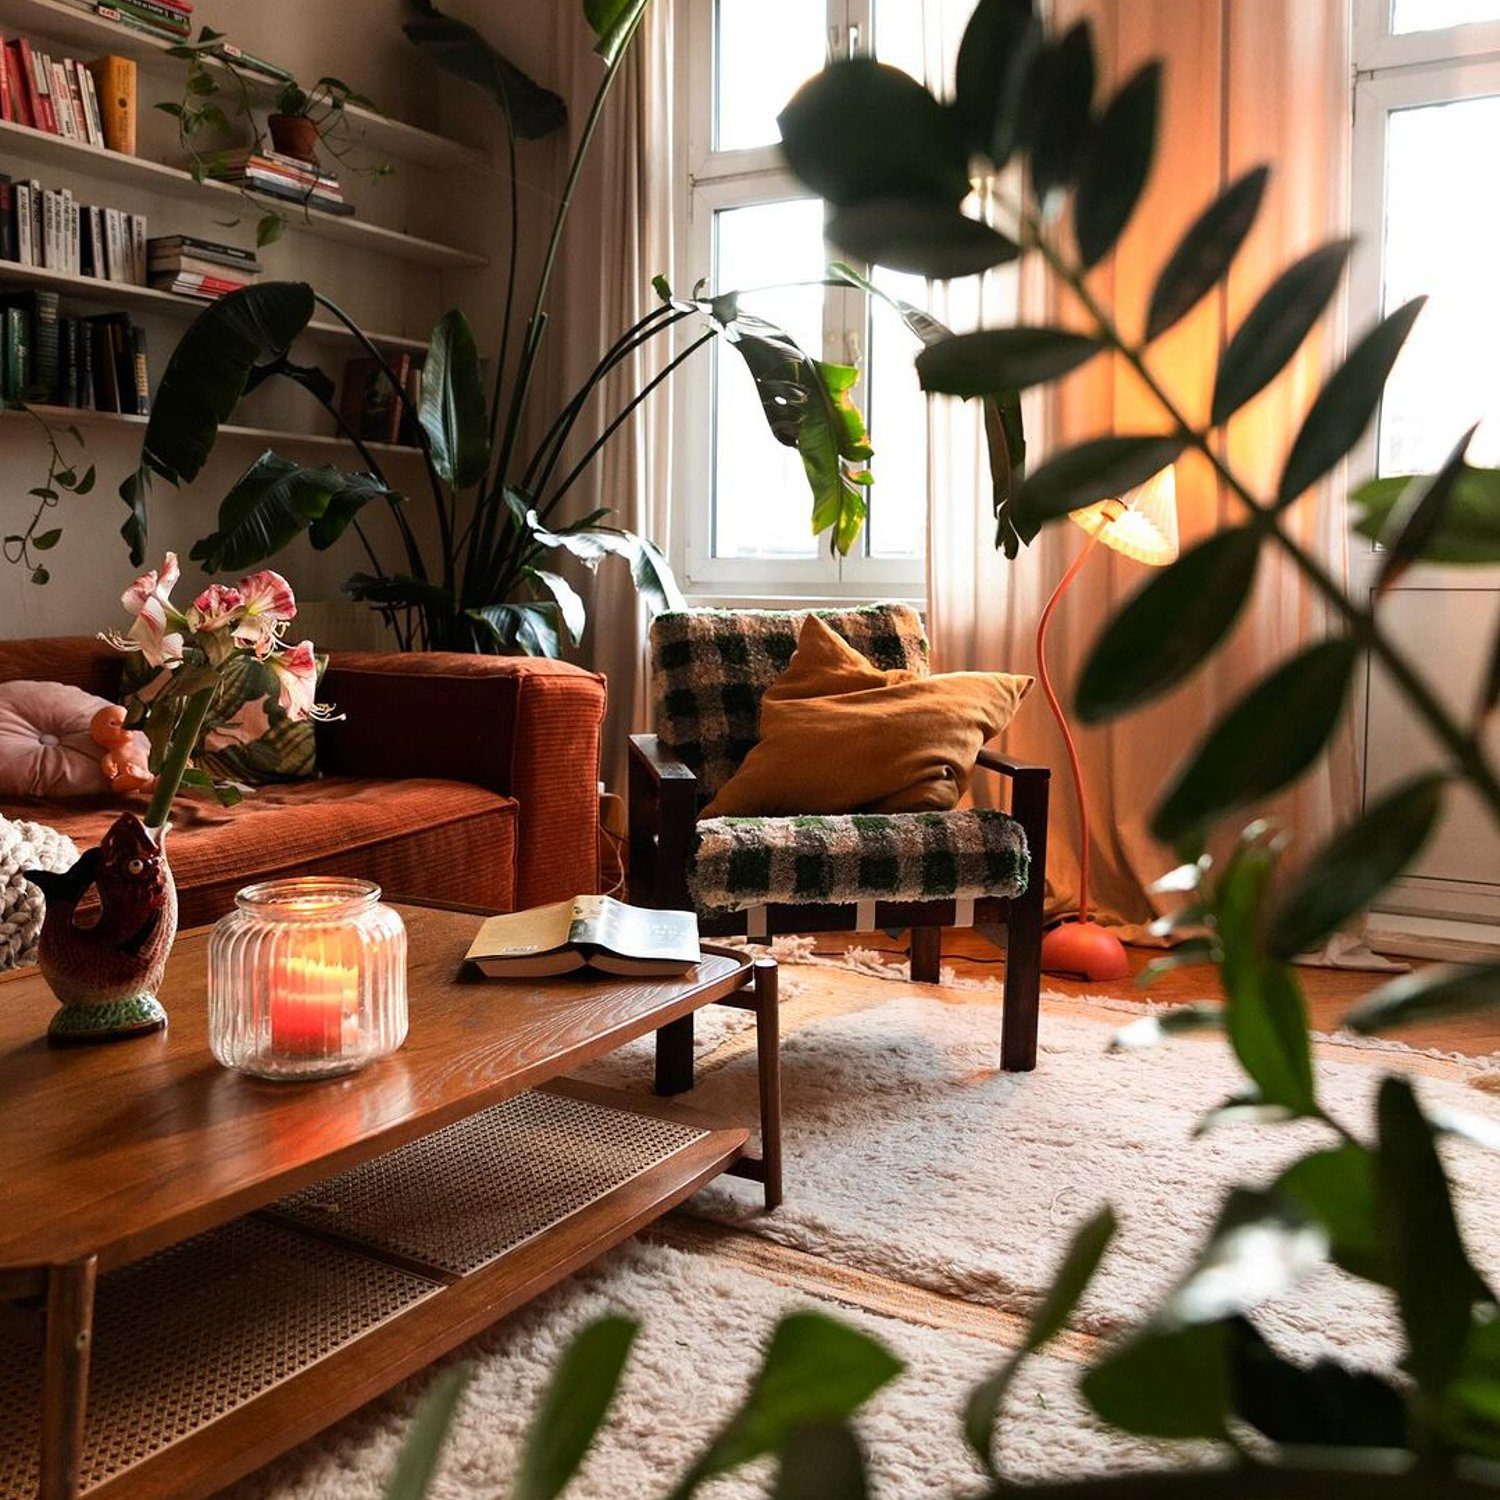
(1084, 950)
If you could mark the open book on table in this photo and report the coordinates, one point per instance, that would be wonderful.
(596, 931)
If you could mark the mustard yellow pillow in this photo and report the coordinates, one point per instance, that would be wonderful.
(838, 735)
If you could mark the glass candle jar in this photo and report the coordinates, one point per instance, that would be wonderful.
(306, 978)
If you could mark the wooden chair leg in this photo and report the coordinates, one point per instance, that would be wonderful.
(926, 955)
(65, 1377)
(768, 1063)
(674, 1057)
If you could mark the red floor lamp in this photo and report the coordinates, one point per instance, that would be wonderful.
(1142, 526)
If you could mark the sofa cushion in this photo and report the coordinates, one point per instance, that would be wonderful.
(738, 863)
(434, 840)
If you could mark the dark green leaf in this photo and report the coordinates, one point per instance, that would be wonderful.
(1104, 468)
(821, 1462)
(452, 409)
(1436, 1285)
(531, 629)
(614, 23)
(1276, 327)
(45, 541)
(1206, 252)
(1267, 740)
(649, 569)
(573, 1407)
(458, 49)
(932, 240)
(1324, 1405)
(1437, 993)
(1354, 866)
(1181, 1020)
(861, 130)
(1347, 404)
(1082, 1259)
(348, 497)
(268, 229)
(569, 601)
(653, 577)
(40, 576)
(1116, 161)
(1171, 1383)
(1000, 44)
(1468, 534)
(399, 591)
(85, 484)
(1336, 1188)
(1173, 623)
(1001, 359)
(1470, 1418)
(1489, 693)
(815, 1371)
(1418, 516)
(412, 1477)
(1059, 109)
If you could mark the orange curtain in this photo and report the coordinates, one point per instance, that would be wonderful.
(1246, 81)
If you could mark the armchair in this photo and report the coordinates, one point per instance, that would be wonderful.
(758, 877)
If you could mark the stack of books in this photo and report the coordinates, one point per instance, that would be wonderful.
(171, 20)
(280, 176)
(59, 96)
(97, 364)
(368, 404)
(192, 267)
(47, 227)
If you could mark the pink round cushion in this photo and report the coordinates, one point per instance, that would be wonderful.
(45, 748)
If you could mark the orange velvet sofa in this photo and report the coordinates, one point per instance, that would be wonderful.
(457, 778)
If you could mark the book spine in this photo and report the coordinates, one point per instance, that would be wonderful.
(7, 103)
(70, 231)
(17, 321)
(101, 243)
(147, 25)
(62, 101)
(11, 385)
(91, 104)
(42, 66)
(73, 75)
(27, 66)
(114, 245)
(37, 241)
(46, 354)
(49, 229)
(24, 250)
(141, 369)
(115, 78)
(153, 10)
(88, 399)
(16, 84)
(9, 249)
(138, 249)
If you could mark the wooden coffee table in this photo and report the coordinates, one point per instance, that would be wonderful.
(199, 1269)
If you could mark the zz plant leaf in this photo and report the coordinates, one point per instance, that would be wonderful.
(1001, 359)
(1115, 164)
(1000, 44)
(1101, 469)
(925, 239)
(1060, 109)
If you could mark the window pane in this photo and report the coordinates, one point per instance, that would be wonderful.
(765, 50)
(1435, 15)
(762, 506)
(1442, 223)
(896, 410)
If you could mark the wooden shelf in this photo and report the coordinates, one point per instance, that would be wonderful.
(114, 294)
(77, 26)
(77, 416)
(157, 177)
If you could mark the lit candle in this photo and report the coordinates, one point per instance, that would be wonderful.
(314, 1004)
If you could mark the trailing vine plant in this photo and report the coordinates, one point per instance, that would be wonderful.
(20, 548)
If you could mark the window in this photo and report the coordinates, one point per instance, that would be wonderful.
(744, 518)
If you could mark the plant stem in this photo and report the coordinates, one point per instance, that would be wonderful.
(1361, 623)
(179, 752)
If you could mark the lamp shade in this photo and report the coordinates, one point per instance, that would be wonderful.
(1143, 525)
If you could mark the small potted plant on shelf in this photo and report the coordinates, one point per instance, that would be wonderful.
(304, 117)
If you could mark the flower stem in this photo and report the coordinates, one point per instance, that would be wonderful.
(179, 753)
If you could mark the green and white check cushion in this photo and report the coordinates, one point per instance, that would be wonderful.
(739, 863)
(710, 667)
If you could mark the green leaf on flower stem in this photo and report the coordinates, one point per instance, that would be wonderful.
(1000, 45)
(822, 1461)
(573, 1407)
(1115, 163)
(1354, 866)
(1436, 1285)
(862, 129)
(1001, 359)
(1418, 515)
(452, 410)
(1336, 1188)
(568, 600)
(1059, 109)
(1102, 469)
(932, 240)
(1468, 531)
(417, 1462)
(1205, 253)
(45, 541)
(1172, 624)
(815, 1371)
(1276, 327)
(1267, 740)
(1346, 406)
(1086, 1250)
(1437, 993)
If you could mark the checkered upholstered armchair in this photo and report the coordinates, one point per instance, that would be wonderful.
(761, 876)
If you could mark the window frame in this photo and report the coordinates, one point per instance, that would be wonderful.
(1377, 47)
(710, 181)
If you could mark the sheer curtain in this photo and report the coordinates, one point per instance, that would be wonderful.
(1246, 81)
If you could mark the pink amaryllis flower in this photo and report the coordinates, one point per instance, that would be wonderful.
(269, 605)
(297, 682)
(217, 606)
(149, 600)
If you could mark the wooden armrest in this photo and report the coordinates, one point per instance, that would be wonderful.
(993, 760)
(648, 753)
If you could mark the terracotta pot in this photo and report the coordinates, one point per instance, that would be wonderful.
(106, 966)
(295, 135)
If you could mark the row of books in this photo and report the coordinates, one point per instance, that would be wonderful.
(89, 102)
(95, 364)
(47, 227)
(368, 406)
(171, 20)
(192, 267)
(282, 177)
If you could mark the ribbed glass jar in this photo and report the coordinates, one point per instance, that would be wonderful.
(306, 979)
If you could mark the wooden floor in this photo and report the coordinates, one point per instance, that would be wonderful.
(1330, 992)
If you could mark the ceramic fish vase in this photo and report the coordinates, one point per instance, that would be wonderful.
(104, 962)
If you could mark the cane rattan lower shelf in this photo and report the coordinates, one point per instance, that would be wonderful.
(281, 1321)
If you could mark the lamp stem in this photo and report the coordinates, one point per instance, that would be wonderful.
(1062, 720)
